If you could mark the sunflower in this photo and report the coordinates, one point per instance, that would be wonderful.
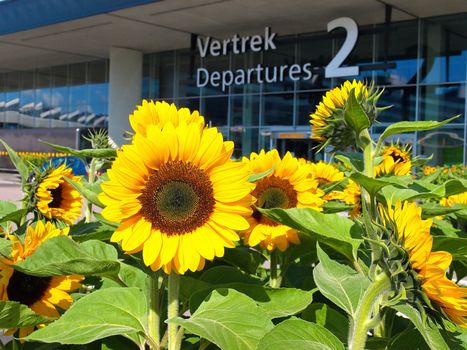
(460, 198)
(287, 186)
(326, 173)
(42, 294)
(177, 196)
(327, 121)
(159, 113)
(58, 199)
(414, 236)
(427, 170)
(396, 161)
(352, 195)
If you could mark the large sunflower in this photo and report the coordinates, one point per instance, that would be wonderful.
(56, 198)
(460, 198)
(328, 118)
(160, 113)
(326, 173)
(414, 236)
(396, 161)
(42, 294)
(177, 196)
(287, 186)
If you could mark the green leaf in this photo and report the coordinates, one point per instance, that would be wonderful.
(19, 164)
(408, 340)
(229, 319)
(354, 115)
(61, 256)
(227, 274)
(256, 177)
(326, 316)
(104, 313)
(299, 334)
(14, 314)
(456, 246)
(445, 228)
(339, 283)
(6, 207)
(274, 302)
(336, 207)
(331, 229)
(5, 247)
(430, 210)
(85, 153)
(425, 326)
(15, 216)
(352, 160)
(403, 127)
(82, 231)
(373, 185)
(90, 192)
(244, 258)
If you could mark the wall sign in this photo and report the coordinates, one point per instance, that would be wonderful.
(271, 74)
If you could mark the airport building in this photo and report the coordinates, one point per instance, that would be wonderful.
(254, 68)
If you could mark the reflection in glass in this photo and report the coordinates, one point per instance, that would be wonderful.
(402, 100)
(307, 102)
(445, 144)
(245, 110)
(187, 62)
(278, 109)
(245, 141)
(283, 55)
(438, 102)
(215, 110)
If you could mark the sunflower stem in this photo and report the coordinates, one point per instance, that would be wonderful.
(91, 179)
(363, 316)
(153, 315)
(274, 278)
(172, 310)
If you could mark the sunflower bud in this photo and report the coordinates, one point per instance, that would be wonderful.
(343, 113)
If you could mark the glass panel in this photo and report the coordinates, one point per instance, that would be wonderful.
(396, 53)
(278, 109)
(444, 49)
(60, 90)
(27, 93)
(213, 82)
(245, 110)
(277, 63)
(187, 62)
(446, 145)
(43, 91)
(245, 140)
(162, 77)
(438, 102)
(402, 100)
(190, 103)
(315, 49)
(78, 88)
(243, 62)
(307, 102)
(146, 80)
(215, 110)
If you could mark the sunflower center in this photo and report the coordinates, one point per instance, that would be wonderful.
(56, 194)
(27, 289)
(397, 157)
(273, 192)
(178, 198)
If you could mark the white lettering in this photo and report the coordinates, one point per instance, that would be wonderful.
(215, 48)
(256, 43)
(295, 69)
(206, 72)
(203, 49)
(215, 78)
(269, 37)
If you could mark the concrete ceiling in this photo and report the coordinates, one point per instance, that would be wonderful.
(168, 24)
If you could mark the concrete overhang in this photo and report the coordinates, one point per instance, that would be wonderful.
(153, 26)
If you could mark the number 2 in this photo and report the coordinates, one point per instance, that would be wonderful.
(333, 69)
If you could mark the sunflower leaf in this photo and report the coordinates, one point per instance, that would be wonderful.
(85, 153)
(256, 177)
(337, 232)
(404, 127)
(14, 314)
(229, 319)
(456, 246)
(90, 192)
(104, 313)
(354, 115)
(326, 316)
(62, 256)
(339, 283)
(299, 334)
(425, 326)
(19, 164)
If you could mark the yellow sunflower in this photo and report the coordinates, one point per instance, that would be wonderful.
(177, 196)
(326, 173)
(287, 186)
(460, 198)
(352, 195)
(396, 161)
(42, 294)
(414, 235)
(56, 198)
(327, 120)
(427, 170)
(160, 113)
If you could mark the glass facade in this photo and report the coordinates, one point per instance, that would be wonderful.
(74, 95)
(420, 63)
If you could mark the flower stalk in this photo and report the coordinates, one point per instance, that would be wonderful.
(172, 328)
(362, 321)
(91, 179)
(153, 315)
(274, 279)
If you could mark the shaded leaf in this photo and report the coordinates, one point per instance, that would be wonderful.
(227, 274)
(339, 283)
(19, 164)
(299, 334)
(244, 258)
(85, 153)
(104, 313)
(456, 246)
(229, 319)
(329, 318)
(90, 192)
(354, 115)
(14, 314)
(82, 231)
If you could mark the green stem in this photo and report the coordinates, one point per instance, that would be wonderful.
(362, 319)
(152, 342)
(153, 315)
(274, 279)
(172, 310)
(91, 179)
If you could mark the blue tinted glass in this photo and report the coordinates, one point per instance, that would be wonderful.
(278, 109)
(215, 110)
(98, 97)
(402, 101)
(438, 102)
(307, 102)
(446, 145)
